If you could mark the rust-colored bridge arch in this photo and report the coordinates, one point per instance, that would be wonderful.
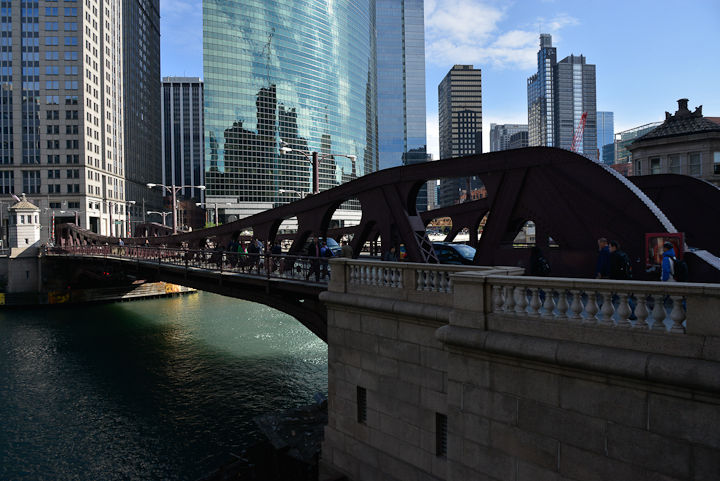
(572, 200)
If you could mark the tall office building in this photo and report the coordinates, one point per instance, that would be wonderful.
(141, 81)
(460, 118)
(62, 111)
(500, 135)
(541, 96)
(606, 136)
(183, 134)
(401, 81)
(303, 73)
(558, 95)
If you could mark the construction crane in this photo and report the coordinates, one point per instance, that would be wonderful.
(578, 137)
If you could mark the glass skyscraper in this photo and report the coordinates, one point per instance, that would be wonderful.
(401, 82)
(301, 72)
(558, 94)
(541, 98)
(606, 136)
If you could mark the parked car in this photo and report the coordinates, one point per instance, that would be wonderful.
(458, 254)
(331, 243)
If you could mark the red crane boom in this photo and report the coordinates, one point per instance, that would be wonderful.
(577, 138)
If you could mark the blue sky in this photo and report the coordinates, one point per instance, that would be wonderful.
(648, 53)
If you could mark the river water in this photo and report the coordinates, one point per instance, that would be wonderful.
(147, 390)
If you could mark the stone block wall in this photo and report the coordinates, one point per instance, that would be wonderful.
(532, 420)
(403, 370)
(515, 411)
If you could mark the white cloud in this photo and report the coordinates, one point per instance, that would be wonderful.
(468, 32)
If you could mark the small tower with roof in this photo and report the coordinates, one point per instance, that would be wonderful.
(24, 227)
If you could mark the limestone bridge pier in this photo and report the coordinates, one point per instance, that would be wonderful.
(482, 373)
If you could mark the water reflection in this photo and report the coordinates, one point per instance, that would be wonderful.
(156, 389)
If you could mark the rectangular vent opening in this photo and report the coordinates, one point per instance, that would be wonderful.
(441, 434)
(361, 404)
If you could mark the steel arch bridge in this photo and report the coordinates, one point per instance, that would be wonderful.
(572, 200)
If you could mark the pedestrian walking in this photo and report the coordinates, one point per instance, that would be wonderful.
(391, 255)
(668, 263)
(602, 266)
(346, 250)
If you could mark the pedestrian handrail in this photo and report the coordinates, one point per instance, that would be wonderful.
(285, 266)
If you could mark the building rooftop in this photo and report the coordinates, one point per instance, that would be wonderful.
(684, 122)
(23, 204)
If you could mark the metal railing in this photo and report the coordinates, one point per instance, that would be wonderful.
(290, 267)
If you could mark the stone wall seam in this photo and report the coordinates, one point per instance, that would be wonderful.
(396, 307)
(691, 373)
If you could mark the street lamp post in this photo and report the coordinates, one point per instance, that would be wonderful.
(315, 160)
(299, 193)
(173, 189)
(163, 214)
(215, 207)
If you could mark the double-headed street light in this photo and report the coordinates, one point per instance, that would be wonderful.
(300, 193)
(312, 157)
(215, 207)
(173, 189)
(163, 214)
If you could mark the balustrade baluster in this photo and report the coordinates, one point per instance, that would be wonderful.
(442, 281)
(521, 301)
(535, 302)
(400, 278)
(549, 304)
(509, 300)
(608, 310)
(435, 282)
(677, 315)
(419, 280)
(641, 312)
(375, 274)
(591, 308)
(353, 275)
(577, 306)
(499, 299)
(659, 314)
(428, 280)
(562, 305)
(624, 311)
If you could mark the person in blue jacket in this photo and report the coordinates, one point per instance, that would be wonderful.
(602, 266)
(668, 263)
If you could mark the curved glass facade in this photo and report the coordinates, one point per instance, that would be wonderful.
(298, 71)
(401, 82)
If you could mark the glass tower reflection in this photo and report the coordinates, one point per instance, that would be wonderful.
(401, 81)
(301, 72)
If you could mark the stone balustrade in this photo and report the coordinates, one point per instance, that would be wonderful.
(596, 302)
(433, 283)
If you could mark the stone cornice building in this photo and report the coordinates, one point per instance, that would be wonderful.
(686, 143)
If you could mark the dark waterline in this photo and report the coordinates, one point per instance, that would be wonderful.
(157, 389)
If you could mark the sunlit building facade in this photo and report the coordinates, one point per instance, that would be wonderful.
(62, 101)
(460, 122)
(301, 72)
